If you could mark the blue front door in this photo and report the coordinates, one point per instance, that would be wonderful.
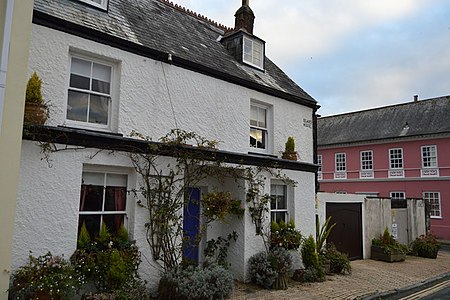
(191, 224)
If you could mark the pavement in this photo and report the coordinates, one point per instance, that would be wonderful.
(370, 279)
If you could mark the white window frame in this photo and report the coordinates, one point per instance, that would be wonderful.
(429, 156)
(340, 164)
(128, 202)
(266, 130)
(112, 99)
(102, 5)
(395, 160)
(261, 56)
(434, 213)
(366, 159)
(397, 195)
(319, 170)
(276, 210)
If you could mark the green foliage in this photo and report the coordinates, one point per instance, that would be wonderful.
(261, 271)
(217, 249)
(83, 239)
(218, 205)
(211, 282)
(285, 235)
(33, 93)
(389, 244)
(47, 273)
(108, 262)
(426, 246)
(309, 254)
(104, 236)
(322, 233)
(314, 275)
(339, 262)
(265, 267)
(290, 145)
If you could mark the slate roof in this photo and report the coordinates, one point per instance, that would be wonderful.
(154, 28)
(424, 117)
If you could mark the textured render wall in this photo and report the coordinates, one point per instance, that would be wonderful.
(377, 218)
(213, 108)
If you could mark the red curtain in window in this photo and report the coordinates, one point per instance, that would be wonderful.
(119, 201)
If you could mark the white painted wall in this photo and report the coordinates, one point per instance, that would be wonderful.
(211, 107)
(48, 198)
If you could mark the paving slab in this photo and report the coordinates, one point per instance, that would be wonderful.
(369, 279)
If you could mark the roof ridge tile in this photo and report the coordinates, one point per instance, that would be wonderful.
(196, 15)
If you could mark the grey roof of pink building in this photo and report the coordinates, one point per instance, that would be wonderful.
(413, 119)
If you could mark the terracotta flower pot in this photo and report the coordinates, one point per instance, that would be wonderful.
(35, 113)
(290, 155)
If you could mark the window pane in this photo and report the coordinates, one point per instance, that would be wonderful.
(91, 178)
(77, 106)
(98, 111)
(102, 72)
(281, 202)
(116, 180)
(80, 67)
(257, 138)
(253, 115)
(262, 117)
(91, 198)
(115, 198)
(113, 222)
(92, 224)
(248, 48)
(100, 86)
(79, 82)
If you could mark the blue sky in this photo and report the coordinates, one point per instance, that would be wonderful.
(352, 54)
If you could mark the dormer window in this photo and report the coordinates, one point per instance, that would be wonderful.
(102, 4)
(253, 53)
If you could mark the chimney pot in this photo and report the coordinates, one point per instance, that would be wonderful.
(416, 98)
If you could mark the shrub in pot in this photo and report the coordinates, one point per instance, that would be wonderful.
(426, 246)
(36, 111)
(289, 150)
(386, 248)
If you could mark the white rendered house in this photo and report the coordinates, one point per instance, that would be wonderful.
(111, 67)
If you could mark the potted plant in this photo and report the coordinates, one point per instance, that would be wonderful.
(217, 205)
(386, 248)
(426, 246)
(289, 150)
(36, 111)
(45, 277)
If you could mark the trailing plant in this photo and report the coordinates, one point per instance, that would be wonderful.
(389, 244)
(165, 190)
(322, 233)
(339, 262)
(218, 205)
(426, 246)
(48, 274)
(217, 249)
(285, 235)
(211, 282)
(109, 262)
(267, 268)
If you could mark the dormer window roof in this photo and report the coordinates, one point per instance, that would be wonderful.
(102, 4)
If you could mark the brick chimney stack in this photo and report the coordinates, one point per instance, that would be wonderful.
(244, 18)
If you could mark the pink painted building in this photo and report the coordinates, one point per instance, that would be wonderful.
(400, 151)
